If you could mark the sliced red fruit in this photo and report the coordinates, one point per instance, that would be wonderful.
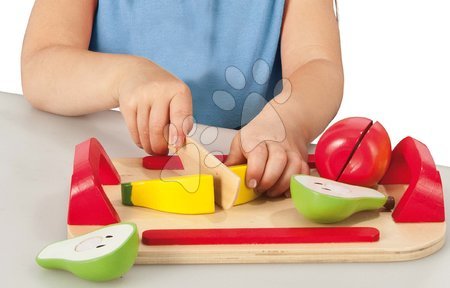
(88, 203)
(336, 146)
(423, 200)
(370, 160)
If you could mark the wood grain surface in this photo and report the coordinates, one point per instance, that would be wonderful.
(398, 241)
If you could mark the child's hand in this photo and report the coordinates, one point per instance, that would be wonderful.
(274, 152)
(150, 98)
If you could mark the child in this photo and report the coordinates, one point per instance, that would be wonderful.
(167, 62)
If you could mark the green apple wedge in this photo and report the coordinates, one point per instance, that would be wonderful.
(101, 255)
(326, 201)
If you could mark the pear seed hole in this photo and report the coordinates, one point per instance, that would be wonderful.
(88, 244)
(109, 236)
(318, 183)
(100, 246)
(325, 188)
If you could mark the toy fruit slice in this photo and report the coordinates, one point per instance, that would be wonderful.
(102, 255)
(337, 144)
(370, 160)
(173, 162)
(191, 194)
(423, 200)
(354, 151)
(327, 201)
(92, 168)
(196, 159)
(245, 193)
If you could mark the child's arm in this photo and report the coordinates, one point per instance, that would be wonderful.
(61, 76)
(311, 97)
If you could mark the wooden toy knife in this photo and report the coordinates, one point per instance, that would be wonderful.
(197, 160)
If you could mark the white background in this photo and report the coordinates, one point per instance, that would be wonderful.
(396, 59)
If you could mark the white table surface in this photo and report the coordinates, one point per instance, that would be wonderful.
(36, 157)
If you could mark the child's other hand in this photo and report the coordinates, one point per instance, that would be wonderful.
(274, 152)
(156, 106)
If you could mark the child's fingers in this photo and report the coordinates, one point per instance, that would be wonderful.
(256, 162)
(275, 166)
(129, 115)
(188, 125)
(143, 119)
(295, 165)
(159, 119)
(235, 156)
(180, 110)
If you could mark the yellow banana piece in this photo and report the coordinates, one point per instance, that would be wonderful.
(172, 194)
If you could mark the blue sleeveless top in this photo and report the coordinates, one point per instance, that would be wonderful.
(226, 51)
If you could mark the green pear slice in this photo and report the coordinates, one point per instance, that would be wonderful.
(327, 201)
(101, 255)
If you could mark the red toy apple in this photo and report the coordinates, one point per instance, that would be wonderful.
(355, 151)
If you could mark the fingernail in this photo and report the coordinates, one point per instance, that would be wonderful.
(189, 126)
(180, 141)
(252, 183)
(172, 135)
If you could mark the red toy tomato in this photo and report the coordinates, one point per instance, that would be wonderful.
(355, 151)
(423, 200)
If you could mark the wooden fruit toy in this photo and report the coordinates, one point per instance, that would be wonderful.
(190, 194)
(88, 203)
(327, 201)
(423, 200)
(245, 193)
(355, 151)
(173, 162)
(102, 255)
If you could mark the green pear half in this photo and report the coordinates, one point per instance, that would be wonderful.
(326, 201)
(101, 255)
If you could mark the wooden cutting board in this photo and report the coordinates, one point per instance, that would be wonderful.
(398, 241)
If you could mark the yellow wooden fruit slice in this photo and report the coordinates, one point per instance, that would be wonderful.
(245, 194)
(192, 194)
